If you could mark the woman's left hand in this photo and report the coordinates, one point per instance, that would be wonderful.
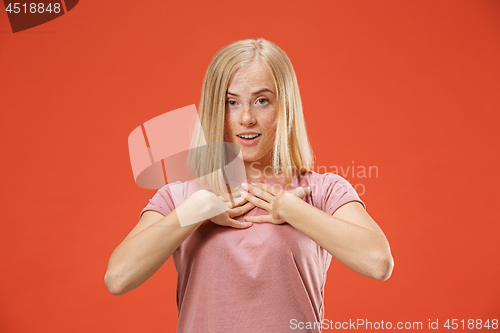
(271, 199)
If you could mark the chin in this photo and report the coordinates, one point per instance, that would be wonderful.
(255, 159)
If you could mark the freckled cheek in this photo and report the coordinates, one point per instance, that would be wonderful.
(228, 128)
(270, 122)
(269, 119)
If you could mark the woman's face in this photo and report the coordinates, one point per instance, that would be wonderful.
(251, 114)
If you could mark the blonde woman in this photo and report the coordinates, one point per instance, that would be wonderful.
(261, 265)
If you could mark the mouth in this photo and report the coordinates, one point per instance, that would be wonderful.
(248, 139)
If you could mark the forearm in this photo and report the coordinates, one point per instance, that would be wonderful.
(136, 259)
(143, 252)
(361, 249)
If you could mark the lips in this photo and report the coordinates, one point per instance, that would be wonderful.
(247, 133)
(248, 138)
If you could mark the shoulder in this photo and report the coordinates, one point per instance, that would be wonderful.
(170, 196)
(320, 181)
(179, 191)
(329, 191)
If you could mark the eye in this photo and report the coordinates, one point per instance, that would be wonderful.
(262, 101)
(231, 102)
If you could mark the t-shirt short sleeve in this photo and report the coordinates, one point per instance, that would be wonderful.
(161, 202)
(336, 192)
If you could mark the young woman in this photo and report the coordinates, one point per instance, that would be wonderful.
(261, 265)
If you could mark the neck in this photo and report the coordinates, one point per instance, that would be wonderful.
(259, 169)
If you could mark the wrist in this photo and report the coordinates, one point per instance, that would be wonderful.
(281, 205)
(210, 204)
(200, 206)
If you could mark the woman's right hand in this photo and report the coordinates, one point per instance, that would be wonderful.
(241, 207)
(205, 205)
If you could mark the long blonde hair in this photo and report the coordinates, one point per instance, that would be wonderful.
(292, 152)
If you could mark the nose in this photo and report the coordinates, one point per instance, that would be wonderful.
(247, 117)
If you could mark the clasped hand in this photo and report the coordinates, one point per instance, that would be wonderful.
(265, 196)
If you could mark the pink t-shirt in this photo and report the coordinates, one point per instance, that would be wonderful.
(260, 279)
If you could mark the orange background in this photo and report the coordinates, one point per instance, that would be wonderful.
(411, 87)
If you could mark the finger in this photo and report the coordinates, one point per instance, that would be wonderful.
(268, 187)
(258, 192)
(237, 211)
(226, 203)
(238, 201)
(259, 219)
(256, 201)
(239, 225)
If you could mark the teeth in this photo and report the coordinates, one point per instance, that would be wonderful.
(248, 136)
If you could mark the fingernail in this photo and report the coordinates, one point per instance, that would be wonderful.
(244, 185)
(243, 194)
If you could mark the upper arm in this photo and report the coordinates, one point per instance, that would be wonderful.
(354, 212)
(147, 219)
(163, 202)
(160, 205)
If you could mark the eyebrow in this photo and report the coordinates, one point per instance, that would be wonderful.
(255, 93)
